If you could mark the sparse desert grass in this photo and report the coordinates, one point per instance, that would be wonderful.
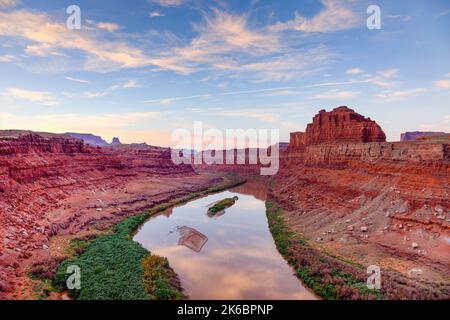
(160, 281)
(333, 278)
(45, 270)
(310, 267)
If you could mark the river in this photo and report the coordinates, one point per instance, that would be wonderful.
(231, 256)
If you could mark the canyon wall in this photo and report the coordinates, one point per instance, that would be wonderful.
(52, 184)
(59, 160)
(297, 140)
(348, 153)
(343, 136)
(368, 200)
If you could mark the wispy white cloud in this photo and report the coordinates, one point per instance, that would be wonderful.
(46, 36)
(288, 90)
(77, 80)
(339, 83)
(252, 114)
(8, 58)
(108, 26)
(224, 42)
(283, 67)
(132, 83)
(43, 50)
(444, 13)
(335, 95)
(169, 100)
(155, 14)
(388, 73)
(354, 71)
(336, 15)
(442, 84)
(279, 68)
(101, 93)
(5, 4)
(168, 3)
(40, 97)
(382, 78)
(399, 18)
(401, 94)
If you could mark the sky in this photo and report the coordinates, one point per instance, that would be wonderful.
(140, 69)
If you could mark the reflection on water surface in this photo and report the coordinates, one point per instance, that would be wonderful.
(232, 256)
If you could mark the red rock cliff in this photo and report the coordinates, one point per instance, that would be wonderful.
(342, 125)
(298, 140)
(34, 143)
(30, 158)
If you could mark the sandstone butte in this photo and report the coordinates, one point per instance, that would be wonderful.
(340, 184)
(338, 126)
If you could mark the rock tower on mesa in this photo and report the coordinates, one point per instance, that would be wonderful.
(338, 126)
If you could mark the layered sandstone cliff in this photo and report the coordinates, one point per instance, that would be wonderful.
(39, 173)
(59, 161)
(34, 143)
(297, 140)
(343, 136)
(368, 200)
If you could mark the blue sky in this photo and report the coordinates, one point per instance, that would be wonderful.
(140, 69)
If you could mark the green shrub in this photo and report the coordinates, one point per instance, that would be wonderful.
(128, 226)
(111, 269)
(157, 279)
(221, 205)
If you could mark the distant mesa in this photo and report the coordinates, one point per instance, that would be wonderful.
(115, 141)
(417, 135)
(89, 139)
(339, 125)
(94, 140)
(282, 146)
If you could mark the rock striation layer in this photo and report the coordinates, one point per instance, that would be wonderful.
(38, 173)
(368, 200)
(339, 125)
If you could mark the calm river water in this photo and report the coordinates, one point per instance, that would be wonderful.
(232, 256)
